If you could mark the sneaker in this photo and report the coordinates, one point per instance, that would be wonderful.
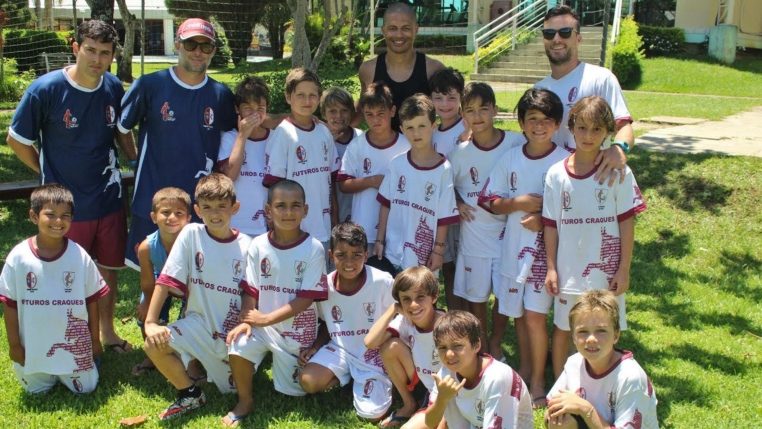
(182, 406)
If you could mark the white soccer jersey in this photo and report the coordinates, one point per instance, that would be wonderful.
(425, 356)
(249, 186)
(276, 275)
(364, 159)
(623, 395)
(471, 165)
(349, 317)
(517, 173)
(445, 140)
(51, 297)
(208, 272)
(345, 200)
(587, 216)
(498, 400)
(420, 199)
(583, 81)
(307, 156)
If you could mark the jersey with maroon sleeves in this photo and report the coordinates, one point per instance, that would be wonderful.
(445, 140)
(421, 343)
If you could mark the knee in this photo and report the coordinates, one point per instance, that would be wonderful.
(310, 384)
(391, 348)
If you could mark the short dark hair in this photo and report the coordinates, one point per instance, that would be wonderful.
(593, 110)
(541, 100)
(560, 11)
(596, 299)
(99, 31)
(215, 186)
(251, 88)
(300, 74)
(50, 193)
(336, 95)
(480, 90)
(286, 185)
(400, 7)
(349, 233)
(377, 94)
(446, 79)
(418, 276)
(457, 324)
(417, 105)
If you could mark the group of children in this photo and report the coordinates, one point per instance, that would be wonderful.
(383, 208)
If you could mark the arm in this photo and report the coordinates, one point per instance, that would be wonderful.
(551, 251)
(358, 184)
(334, 201)
(620, 283)
(437, 251)
(92, 324)
(465, 211)
(156, 334)
(322, 339)
(28, 154)
(291, 309)
(378, 334)
(147, 279)
(611, 161)
(127, 144)
(569, 403)
(15, 348)
(248, 305)
(447, 388)
(245, 126)
(529, 203)
(383, 218)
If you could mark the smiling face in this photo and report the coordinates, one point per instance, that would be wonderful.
(399, 31)
(447, 105)
(337, 117)
(418, 307)
(195, 61)
(286, 209)
(479, 116)
(558, 49)
(216, 214)
(93, 57)
(349, 260)
(170, 217)
(594, 337)
(537, 127)
(458, 354)
(53, 221)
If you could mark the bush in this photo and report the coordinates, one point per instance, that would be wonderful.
(662, 41)
(14, 84)
(499, 45)
(25, 46)
(441, 43)
(627, 55)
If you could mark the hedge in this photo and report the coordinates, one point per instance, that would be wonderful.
(662, 41)
(25, 46)
(626, 55)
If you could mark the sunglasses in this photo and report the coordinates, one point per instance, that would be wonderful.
(550, 33)
(190, 45)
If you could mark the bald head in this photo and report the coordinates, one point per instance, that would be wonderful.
(402, 8)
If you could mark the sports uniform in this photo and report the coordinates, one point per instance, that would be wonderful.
(345, 200)
(499, 399)
(249, 186)
(476, 267)
(276, 275)
(583, 81)
(420, 199)
(75, 128)
(445, 141)
(207, 272)
(179, 139)
(51, 297)
(623, 395)
(307, 156)
(346, 355)
(363, 159)
(586, 215)
(421, 344)
(522, 260)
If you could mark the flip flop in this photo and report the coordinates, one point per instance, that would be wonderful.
(119, 348)
(393, 421)
(234, 419)
(142, 368)
(539, 402)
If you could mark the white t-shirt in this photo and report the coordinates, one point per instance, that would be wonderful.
(277, 275)
(583, 81)
(51, 297)
(307, 156)
(623, 395)
(208, 272)
(249, 186)
(587, 216)
(499, 400)
(445, 140)
(364, 159)
(420, 199)
(345, 200)
(425, 356)
(471, 166)
(517, 173)
(349, 317)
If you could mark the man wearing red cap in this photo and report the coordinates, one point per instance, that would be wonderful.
(182, 113)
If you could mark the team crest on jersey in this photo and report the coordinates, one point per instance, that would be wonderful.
(167, 114)
(69, 120)
(366, 165)
(301, 154)
(581, 392)
(497, 423)
(208, 118)
(370, 310)
(199, 260)
(434, 358)
(68, 280)
(336, 313)
(572, 94)
(514, 180)
(401, 184)
(110, 116)
(479, 406)
(566, 200)
(31, 282)
(638, 198)
(264, 267)
(77, 384)
(600, 196)
(237, 270)
(474, 175)
(612, 405)
(429, 189)
(295, 375)
(367, 389)
(299, 268)
(411, 340)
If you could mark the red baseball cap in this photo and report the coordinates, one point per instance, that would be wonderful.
(195, 27)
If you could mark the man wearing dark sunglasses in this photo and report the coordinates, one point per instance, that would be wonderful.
(182, 113)
(572, 80)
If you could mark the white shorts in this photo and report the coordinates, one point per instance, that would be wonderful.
(515, 297)
(285, 352)
(40, 382)
(191, 339)
(475, 277)
(564, 302)
(451, 244)
(372, 389)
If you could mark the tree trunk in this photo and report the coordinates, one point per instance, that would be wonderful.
(300, 55)
(102, 9)
(330, 30)
(124, 58)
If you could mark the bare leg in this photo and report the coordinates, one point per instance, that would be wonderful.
(243, 374)
(316, 378)
(479, 309)
(454, 302)
(106, 310)
(169, 364)
(522, 339)
(499, 322)
(538, 351)
(560, 349)
(398, 361)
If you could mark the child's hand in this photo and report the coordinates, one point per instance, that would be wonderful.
(241, 329)
(551, 282)
(447, 387)
(255, 317)
(247, 124)
(532, 221)
(465, 211)
(157, 335)
(529, 203)
(564, 404)
(620, 282)
(378, 249)
(18, 354)
(435, 261)
(305, 355)
(142, 310)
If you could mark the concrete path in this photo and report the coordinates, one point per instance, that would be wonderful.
(739, 134)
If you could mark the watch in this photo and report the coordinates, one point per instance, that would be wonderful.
(623, 144)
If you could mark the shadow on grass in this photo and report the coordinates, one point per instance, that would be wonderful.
(708, 360)
(738, 268)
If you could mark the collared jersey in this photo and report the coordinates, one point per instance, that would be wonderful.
(345, 200)
(445, 140)
(421, 343)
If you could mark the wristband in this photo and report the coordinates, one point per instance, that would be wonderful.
(622, 144)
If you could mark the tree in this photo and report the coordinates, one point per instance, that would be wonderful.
(124, 56)
(301, 55)
(102, 9)
(275, 17)
(17, 13)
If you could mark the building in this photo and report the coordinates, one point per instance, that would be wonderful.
(697, 18)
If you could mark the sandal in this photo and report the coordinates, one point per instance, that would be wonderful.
(393, 421)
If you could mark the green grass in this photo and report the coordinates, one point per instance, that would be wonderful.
(703, 76)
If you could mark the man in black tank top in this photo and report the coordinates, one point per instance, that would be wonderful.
(406, 71)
